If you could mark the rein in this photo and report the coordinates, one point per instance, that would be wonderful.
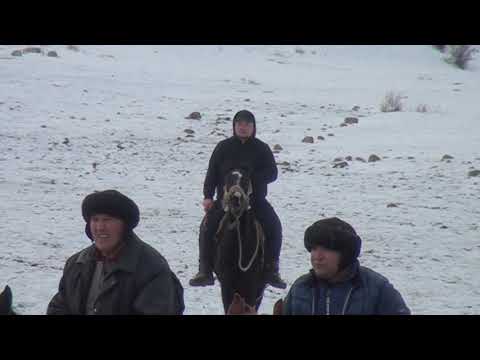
(236, 224)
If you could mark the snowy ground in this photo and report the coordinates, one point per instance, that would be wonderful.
(125, 107)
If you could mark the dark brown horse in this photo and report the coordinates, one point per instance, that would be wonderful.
(239, 241)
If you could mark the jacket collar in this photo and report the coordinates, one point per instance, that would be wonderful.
(351, 273)
(248, 141)
(127, 259)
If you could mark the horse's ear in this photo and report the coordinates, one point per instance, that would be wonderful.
(249, 310)
(237, 305)
(278, 307)
(5, 300)
(246, 168)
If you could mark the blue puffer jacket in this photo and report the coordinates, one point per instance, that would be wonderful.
(366, 292)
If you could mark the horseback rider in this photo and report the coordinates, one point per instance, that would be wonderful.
(240, 150)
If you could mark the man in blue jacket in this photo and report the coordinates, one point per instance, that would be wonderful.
(337, 284)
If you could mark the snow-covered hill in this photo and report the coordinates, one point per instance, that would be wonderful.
(124, 108)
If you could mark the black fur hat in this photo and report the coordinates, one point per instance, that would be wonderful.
(247, 116)
(110, 202)
(337, 235)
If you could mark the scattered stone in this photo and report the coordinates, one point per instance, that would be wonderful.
(17, 53)
(320, 138)
(474, 173)
(392, 205)
(373, 158)
(340, 164)
(66, 141)
(277, 147)
(189, 131)
(411, 158)
(194, 115)
(283, 115)
(284, 163)
(446, 157)
(160, 118)
(32, 50)
(343, 125)
(331, 134)
(360, 159)
(348, 158)
(338, 159)
(246, 100)
(356, 108)
(308, 139)
(351, 120)
(52, 54)
(43, 126)
(444, 227)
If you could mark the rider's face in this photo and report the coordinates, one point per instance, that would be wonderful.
(244, 129)
(107, 232)
(325, 262)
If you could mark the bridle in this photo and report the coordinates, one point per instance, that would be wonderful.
(244, 205)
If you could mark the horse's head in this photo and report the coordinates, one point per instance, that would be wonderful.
(6, 302)
(237, 191)
(240, 307)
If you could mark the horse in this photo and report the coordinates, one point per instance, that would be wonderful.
(6, 302)
(239, 244)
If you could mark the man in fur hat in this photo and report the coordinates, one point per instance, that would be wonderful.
(337, 284)
(118, 274)
(242, 149)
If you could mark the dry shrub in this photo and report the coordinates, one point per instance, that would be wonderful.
(392, 102)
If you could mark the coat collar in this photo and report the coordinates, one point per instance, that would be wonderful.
(127, 259)
(351, 273)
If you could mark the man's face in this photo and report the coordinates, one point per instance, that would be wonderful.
(324, 262)
(244, 129)
(107, 232)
